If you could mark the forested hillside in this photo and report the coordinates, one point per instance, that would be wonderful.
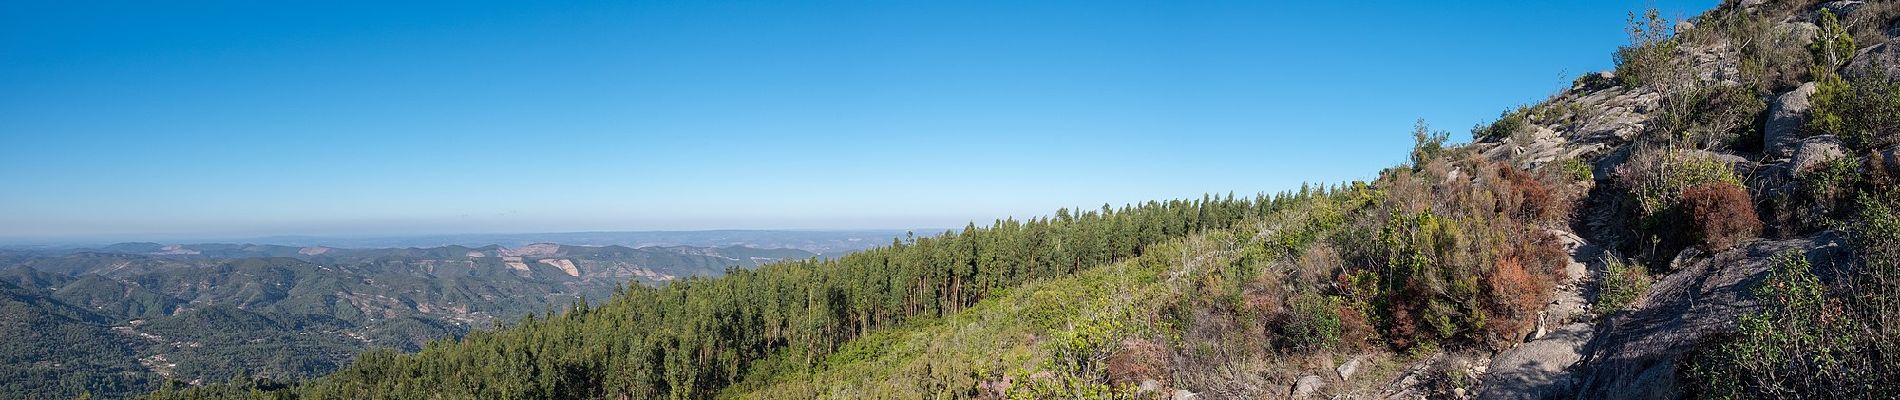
(1713, 219)
(692, 337)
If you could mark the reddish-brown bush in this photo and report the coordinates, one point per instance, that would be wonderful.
(1137, 360)
(1264, 296)
(1403, 329)
(1516, 295)
(1720, 215)
(1355, 330)
(1534, 200)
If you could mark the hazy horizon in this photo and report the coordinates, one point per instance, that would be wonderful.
(317, 239)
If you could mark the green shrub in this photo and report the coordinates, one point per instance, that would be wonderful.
(1832, 187)
(1427, 144)
(1414, 247)
(1875, 235)
(1622, 284)
(1711, 116)
(1579, 170)
(1508, 124)
(1864, 112)
(1657, 176)
(1771, 58)
(1312, 323)
(1592, 82)
(1799, 344)
(1650, 60)
(1832, 45)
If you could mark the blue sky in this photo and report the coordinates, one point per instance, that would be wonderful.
(170, 119)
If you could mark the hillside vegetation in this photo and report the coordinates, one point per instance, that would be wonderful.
(1714, 219)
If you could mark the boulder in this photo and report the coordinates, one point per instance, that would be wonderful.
(1880, 60)
(1814, 153)
(1786, 115)
(1802, 32)
(1307, 386)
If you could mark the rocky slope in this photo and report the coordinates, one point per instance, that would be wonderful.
(1698, 296)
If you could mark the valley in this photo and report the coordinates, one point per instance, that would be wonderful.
(121, 319)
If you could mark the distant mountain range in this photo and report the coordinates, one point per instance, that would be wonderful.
(120, 318)
(822, 242)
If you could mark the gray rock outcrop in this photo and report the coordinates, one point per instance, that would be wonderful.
(1840, 8)
(1880, 60)
(1786, 115)
(1635, 354)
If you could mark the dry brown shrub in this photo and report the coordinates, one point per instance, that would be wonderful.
(1138, 360)
(1315, 264)
(1720, 214)
(1404, 327)
(1537, 201)
(1355, 330)
(1264, 299)
(1881, 174)
(1516, 295)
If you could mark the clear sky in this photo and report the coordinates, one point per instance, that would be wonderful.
(170, 119)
